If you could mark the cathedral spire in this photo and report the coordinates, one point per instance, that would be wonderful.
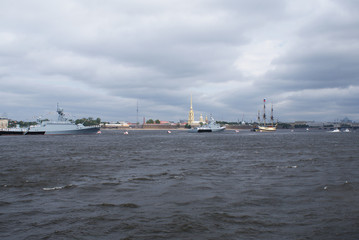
(191, 114)
(191, 101)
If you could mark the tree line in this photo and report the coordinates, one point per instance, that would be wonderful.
(150, 121)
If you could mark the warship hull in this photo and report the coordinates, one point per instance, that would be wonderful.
(58, 128)
(203, 130)
(89, 130)
(35, 133)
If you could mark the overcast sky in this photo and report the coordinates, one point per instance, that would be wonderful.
(104, 58)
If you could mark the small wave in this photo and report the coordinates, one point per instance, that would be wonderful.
(157, 175)
(141, 179)
(124, 205)
(174, 176)
(182, 203)
(129, 205)
(3, 203)
(292, 166)
(111, 183)
(103, 205)
(57, 188)
(346, 186)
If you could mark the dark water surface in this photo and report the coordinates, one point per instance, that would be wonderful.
(154, 185)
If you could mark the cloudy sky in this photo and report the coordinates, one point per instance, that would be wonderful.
(104, 58)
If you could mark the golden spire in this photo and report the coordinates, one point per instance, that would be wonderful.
(191, 101)
(191, 114)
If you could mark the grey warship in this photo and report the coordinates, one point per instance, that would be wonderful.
(212, 126)
(61, 127)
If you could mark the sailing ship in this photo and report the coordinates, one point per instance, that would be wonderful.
(262, 126)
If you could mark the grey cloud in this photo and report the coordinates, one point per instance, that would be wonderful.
(119, 52)
(321, 69)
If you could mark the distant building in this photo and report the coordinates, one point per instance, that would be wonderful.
(116, 125)
(346, 120)
(314, 124)
(4, 123)
(300, 123)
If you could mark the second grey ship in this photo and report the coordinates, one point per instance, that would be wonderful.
(212, 126)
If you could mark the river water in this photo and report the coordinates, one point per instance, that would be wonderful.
(155, 185)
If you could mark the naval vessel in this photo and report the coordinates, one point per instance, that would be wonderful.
(61, 127)
(212, 126)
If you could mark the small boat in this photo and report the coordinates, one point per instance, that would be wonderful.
(12, 131)
(346, 130)
(125, 133)
(212, 126)
(335, 130)
(169, 131)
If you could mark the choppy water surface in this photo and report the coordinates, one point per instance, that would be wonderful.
(154, 185)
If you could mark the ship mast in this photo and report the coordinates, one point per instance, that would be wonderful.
(271, 115)
(264, 112)
(137, 123)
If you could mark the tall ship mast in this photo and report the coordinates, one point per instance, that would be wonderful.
(271, 115)
(264, 112)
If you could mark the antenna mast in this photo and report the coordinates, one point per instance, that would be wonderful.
(137, 115)
(271, 115)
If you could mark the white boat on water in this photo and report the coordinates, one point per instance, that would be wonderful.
(12, 131)
(212, 126)
(346, 130)
(335, 130)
